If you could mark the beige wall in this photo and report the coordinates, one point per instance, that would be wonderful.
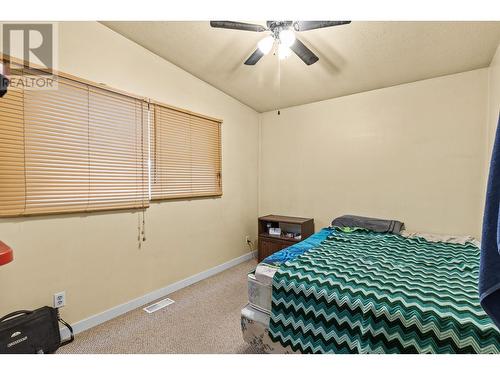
(414, 152)
(95, 258)
(494, 99)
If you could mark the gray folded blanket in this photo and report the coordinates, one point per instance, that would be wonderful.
(370, 223)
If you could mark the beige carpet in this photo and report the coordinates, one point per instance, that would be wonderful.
(205, 318)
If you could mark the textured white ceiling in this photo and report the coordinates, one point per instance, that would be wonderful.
(357, 57)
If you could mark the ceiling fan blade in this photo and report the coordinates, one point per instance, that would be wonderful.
(237, 26)
(303, 52)
(311, 25)
(254, 57)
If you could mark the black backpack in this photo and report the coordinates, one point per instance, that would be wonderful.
(32, 332)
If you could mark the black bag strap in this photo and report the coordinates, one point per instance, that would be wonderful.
(68, 326)
(14, 314)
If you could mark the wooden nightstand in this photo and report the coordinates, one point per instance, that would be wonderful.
(269, 243)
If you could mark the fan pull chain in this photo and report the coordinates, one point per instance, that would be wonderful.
(279, 86)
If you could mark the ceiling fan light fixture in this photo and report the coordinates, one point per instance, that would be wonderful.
(265, 45)
(283, 51)
(287, 37)
(282, 39)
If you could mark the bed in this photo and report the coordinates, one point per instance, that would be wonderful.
(353, 290)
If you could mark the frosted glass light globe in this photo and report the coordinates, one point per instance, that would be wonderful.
(287, 37)
(283, 51)
(266, 44)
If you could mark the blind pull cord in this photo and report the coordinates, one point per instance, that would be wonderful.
(141, 228)
(139, 242)
(144, 224)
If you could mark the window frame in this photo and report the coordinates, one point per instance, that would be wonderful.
(147, 130)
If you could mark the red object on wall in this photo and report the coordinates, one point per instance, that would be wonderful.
(6, 254)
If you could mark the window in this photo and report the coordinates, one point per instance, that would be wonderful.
(187, 154)
(75, 149)
(84, 148)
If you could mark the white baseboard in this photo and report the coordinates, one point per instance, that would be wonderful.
(116, 311)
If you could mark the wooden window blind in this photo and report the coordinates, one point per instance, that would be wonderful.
(187, 155)
(12, 182)
(118, 151)
(82, 148)
(72, 149)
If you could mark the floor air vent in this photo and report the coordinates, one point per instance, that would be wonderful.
(158, 305)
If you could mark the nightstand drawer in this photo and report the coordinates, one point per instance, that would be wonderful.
(270, 246)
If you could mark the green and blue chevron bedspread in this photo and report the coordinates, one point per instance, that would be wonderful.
(367, 292)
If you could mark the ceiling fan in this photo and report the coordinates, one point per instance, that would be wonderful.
(282, 37)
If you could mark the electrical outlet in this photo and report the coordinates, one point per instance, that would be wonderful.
(59, 299)
(247, 239)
